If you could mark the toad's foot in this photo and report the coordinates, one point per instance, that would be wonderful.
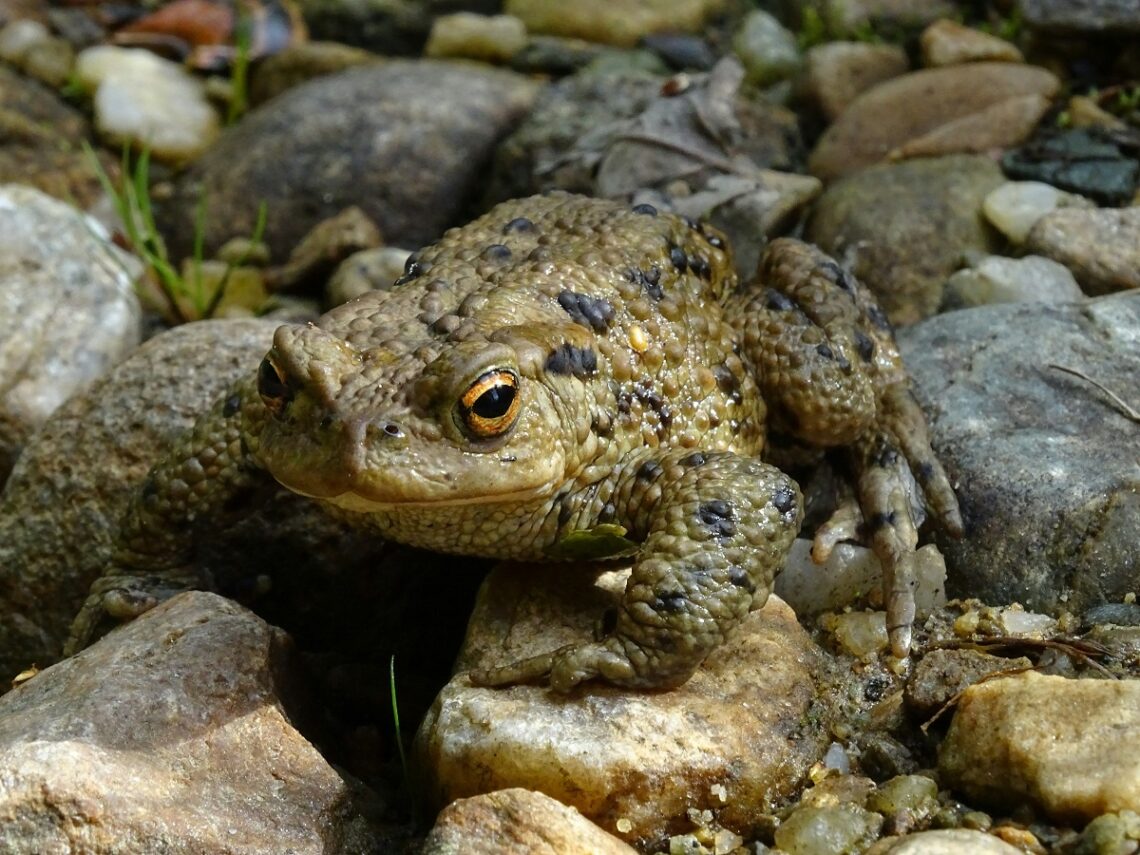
(114, 599)
(716, 529)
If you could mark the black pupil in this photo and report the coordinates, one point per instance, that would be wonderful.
(269, 383)
(495, 402)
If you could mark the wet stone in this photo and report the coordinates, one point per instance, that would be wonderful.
(1083, 160)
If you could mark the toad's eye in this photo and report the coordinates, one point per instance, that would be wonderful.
(274, 389)
(490, 405)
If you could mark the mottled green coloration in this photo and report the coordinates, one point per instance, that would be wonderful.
(563, 366)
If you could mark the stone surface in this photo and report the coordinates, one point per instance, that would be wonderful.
(411, 141)
(517, 822)
(836, 73)
(1065, 746)
(488, 38)
(851, 16)
(1092, 162)
(146, 101)
(766, 48)
(171, 735)
(368, 270)
(68, 311)
(300, 63)
(1081, 16)
(1016, 206)
(996, 279)
(947, 42)
(1100, 246)
(938, 677)
(616, 22)
(971, 107)
(948, 841)
(903, 228)
(736, 736)
(1048, 488)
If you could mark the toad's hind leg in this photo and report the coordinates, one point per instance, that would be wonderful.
(829, 370)
(715, 530)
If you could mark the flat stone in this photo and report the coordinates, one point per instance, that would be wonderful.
(518, 822)
(170, 735)
(996, 279)
(971, 107)
(903, 228)
(615, 22)
(1081, 16)
(68, 311)
(1100, 246)
(947, 42)
(1049, 492)
(732, 739)
(1064, 746)
(836, 73)
(488, 38)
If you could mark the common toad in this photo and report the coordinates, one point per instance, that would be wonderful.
(568, 374)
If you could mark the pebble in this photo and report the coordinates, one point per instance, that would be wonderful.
(18, 37)
(1101, 246)
(147, 101)
(836, 73)
(997, 279)
(614, 22)
(766, 48)
(300, 63)
(972, 107)
(1076, 17)
(947, 42)
(1043, 479)
(949, 841)
(732, 738)
(1016, 206)
(940, 675)
(811, 830)
(171, 735)
(517, 822)
(862, 634)
(68, 310)
(488, 38)
(1064, 746)
(368, 270)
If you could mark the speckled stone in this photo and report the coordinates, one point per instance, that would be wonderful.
(1101, 246)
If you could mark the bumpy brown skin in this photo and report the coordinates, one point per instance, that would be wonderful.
(632, 386)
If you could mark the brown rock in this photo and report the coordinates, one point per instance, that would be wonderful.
(518, 822)
(931, 110)
(836, 73)
(940, 675)
(170, 736)
(947, 42)
(615, 22)
(1066, 746)
(733, 738)
(1101, 246)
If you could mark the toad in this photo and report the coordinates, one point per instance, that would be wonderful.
(568, 374)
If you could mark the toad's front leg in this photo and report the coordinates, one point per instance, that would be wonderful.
(715, 528)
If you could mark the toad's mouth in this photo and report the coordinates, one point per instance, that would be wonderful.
(360, 502)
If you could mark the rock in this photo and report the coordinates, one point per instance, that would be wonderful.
(1100, 246)
(51, 61)
(386, 27)
(940, 675)
(1085, 112)
(517, 822)
(836, 73)
(961, 108)
(1048, 491)
(948, 841)
(1112, 832)
(1088, 161)
(40, 142)
(735, 737)
(488, 38)
(146, 101)
(1081, 16)
(903, 228)
(68, 311)
(19, 36)
(614, 22)
(947, 42)
(851, 16)
(1014, 207)
(767, 49)
(682, 51)
(405, 141)
(907, 801)
(300, 63)
(828, 828)
(171, 735)
(1061, 745)
(369, 270)
(995, 279)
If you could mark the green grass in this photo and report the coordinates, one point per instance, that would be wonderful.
(187, 297)
(239, 77)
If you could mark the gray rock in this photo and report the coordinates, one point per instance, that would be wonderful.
(941, 675)
(68, 310)
(1048, 489)
(1081, 16)
(903, 228)
(1101, 246)
(405, 141)
(767, 49)
(741, 733)
(171, 735)
(996, 279)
